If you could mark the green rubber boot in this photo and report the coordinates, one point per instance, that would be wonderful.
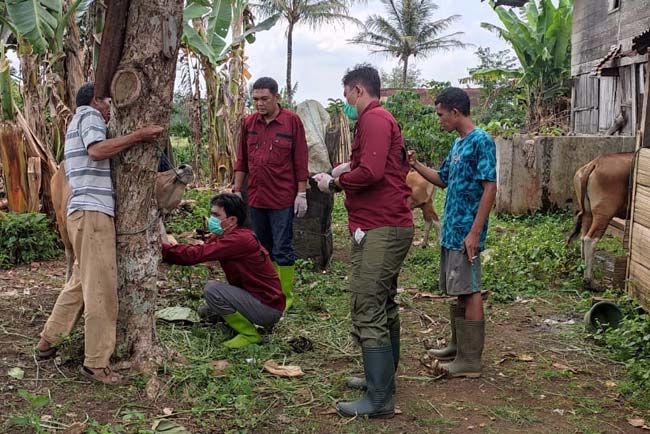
(247, 332)
(449, 352)
(378, 401)
(360, 382)
(471, 338)
(287, 274)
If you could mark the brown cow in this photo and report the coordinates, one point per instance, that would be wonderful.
(170, 186)
(422, 193)
(602, 188)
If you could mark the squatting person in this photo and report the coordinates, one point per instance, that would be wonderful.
(252, 294)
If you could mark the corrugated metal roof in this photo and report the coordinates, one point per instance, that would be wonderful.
(642, 42)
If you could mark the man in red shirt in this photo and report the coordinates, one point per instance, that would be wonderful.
(252, 294)
(381, 224)
(273, 152)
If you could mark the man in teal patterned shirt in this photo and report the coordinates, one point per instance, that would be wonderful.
(469, 174)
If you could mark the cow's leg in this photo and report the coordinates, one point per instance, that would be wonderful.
(587, 220)
(430, 219)
(595, 233)
(162, 230)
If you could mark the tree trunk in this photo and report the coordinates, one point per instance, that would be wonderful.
(75, 55)
(33, 102)
(142, 91)
(289, 59)
(405, 70)
(12, 156)
(196, 125)
(211, 89)
(94, 30)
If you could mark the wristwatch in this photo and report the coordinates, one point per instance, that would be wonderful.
(332, 186)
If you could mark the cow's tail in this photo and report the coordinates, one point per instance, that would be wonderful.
(581, 194)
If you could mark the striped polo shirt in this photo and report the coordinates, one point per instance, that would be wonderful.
(90, 181)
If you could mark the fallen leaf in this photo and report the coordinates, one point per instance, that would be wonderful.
(75, 428)
(563, 367)
(328, 411)
(220, 365)
(167, 411)
(178, 313)
(16, 373)
(525, 358)
(610, 384)
(398, 410)
(637, 423)
(161, 426)
(324, 316)
(283, 371)
(46, 418)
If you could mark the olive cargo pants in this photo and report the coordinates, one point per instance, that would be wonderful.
(376, 263)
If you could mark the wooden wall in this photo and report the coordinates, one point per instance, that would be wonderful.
(597, 100)
(639, 263)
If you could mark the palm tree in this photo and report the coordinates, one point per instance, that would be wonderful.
(408, 29)
(312, 12)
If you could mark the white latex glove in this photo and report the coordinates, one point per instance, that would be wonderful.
(300, 205)
(323, 180)
(341, 169)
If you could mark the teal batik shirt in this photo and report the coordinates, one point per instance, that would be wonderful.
(471, 160)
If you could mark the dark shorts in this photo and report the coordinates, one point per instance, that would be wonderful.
(457, 275)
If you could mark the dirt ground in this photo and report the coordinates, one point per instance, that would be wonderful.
(540, 374)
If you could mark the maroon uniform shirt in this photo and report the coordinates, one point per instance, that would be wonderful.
(375, 189)
(245, 262)
(275, 158)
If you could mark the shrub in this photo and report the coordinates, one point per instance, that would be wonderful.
(25, 238)
(420, 127)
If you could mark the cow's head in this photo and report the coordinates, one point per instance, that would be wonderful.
(170, 186)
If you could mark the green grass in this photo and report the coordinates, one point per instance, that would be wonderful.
(516, 415)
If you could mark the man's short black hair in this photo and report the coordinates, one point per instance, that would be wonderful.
(85, 94)
(454, 98)
(232, 205)
(266, 83)
(365, 75)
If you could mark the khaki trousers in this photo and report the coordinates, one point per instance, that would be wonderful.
(92, 288)
(376, 263)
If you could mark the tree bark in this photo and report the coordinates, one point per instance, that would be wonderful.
(75, 55)
(142, 91)
(289, 60)
(405, 70)
(12, 156)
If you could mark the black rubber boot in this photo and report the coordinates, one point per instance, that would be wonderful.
(378, 401)
(449, 352)
(360, 382)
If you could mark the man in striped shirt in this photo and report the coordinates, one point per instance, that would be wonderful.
(92, 289)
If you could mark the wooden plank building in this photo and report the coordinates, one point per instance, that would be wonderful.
(608, 75)
(638, 281)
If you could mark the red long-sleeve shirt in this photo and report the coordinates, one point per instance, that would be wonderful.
(375, 189)
(245, 262)
(275, 157)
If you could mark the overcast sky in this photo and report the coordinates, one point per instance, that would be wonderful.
(321, 56)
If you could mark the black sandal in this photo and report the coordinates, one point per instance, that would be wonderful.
(48, 354)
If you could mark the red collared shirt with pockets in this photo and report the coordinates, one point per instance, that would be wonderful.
(245, 262)
(375, 189)
(275, 157)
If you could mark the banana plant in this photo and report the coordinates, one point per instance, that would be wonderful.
(540, 35)
(216, 31)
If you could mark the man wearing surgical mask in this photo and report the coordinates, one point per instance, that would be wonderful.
(252, 294)
(381, 225)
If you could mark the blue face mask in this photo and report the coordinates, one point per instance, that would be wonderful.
(351, 112)
(214, 225)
